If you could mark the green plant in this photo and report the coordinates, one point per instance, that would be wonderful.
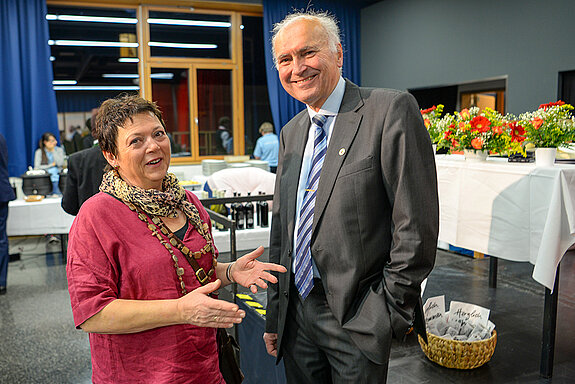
(431, 117)
(550, 126)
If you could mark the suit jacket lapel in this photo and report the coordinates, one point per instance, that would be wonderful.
(300, 135)
(344, 131)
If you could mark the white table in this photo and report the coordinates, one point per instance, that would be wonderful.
(512, 211)
(48, 217)
(38, 218)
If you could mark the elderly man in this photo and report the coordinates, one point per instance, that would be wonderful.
(355, 216)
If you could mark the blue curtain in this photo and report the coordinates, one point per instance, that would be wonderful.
(27, 99)
(283, 106)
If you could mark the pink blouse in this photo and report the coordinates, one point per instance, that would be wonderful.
(113, 255)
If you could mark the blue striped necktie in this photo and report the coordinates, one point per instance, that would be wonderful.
(303, 265)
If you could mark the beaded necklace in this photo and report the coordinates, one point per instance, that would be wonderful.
(174, 241)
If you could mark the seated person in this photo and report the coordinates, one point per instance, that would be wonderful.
(50, 157)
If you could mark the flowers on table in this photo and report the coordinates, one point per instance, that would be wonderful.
(431, 117)
(485, 130)
(550, 126)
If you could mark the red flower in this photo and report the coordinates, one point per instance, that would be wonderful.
(428, 110)
(497, 129)
(454, 143)
(517, 132)
(549, 105)
(477, 143)
(537, 122)
(446, 135)
(427, 123)
(480, 123)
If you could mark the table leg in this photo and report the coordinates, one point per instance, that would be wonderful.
(549, 328)
(492, 272)
(64, 244)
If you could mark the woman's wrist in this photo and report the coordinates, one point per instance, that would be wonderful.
(229, 272)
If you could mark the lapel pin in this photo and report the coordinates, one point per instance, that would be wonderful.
(342, 152)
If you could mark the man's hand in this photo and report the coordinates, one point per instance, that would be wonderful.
(271, 340)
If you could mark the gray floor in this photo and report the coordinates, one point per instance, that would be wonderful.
(38, 342)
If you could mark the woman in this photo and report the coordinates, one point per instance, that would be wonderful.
(50, 157)
(131, 286)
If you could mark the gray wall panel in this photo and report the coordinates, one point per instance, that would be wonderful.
(423, 43)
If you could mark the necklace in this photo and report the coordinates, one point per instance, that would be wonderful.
(174, 241)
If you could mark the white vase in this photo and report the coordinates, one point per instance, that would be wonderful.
(473, 155)
(545, 157)
(434, 146)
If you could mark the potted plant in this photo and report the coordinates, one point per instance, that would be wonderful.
(547, 128)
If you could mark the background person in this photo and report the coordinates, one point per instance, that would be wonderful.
(6, 195)
(267, 146)
(85, 171)
(50, 157)
(355, 215)
(224, 139)
(131, 287)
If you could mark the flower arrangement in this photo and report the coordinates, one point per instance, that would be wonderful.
(550, 126)
(431, 118)
(485, 130)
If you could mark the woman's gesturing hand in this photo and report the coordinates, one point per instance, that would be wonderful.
(251, 273)
(198, 308)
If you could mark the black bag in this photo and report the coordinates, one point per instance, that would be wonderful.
(228, 353)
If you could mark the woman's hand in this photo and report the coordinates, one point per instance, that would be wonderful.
(251, 273)
(199, 309)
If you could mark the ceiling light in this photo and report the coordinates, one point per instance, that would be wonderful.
(96, 88)
(128, 60)
(93, 19)
(182, 45)
(64, 82)
(191, 23)
(91, 43)
(168, 76)
(120, 75)
(52, 58)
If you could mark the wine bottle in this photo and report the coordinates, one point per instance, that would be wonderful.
(264, 209)
(249, 214)
(240, 215)
(258, 213)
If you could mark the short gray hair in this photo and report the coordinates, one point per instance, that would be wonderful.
(327, 21)
(266, 127)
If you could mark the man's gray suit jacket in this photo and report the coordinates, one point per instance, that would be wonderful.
(376, 217)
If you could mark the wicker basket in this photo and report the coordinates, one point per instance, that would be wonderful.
(458, 354)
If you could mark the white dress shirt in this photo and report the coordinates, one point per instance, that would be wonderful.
(330, 109)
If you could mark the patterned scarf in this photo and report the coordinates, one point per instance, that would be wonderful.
(152, 201)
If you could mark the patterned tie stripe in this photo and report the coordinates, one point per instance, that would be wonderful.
(303, 263)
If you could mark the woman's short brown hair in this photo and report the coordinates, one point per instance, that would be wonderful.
(114, 113)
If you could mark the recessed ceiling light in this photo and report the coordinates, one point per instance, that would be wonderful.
(91, 43)
(93, 19)
(135, 75)
(191, 23)
(96, 88)
(181, 45)
(64, 82)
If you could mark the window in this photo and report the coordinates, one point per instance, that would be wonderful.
(204, 67)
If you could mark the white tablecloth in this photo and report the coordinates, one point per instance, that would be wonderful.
(38, 218)
(48, 217)
(513, 211)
